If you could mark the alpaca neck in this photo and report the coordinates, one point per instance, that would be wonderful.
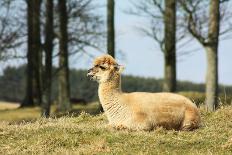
(110, 89)
(109, 95)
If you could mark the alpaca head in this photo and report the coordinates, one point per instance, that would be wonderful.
(105, 69)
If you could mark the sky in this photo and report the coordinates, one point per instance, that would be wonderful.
(143, 58)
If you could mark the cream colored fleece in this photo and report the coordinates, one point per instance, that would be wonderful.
(140, 110)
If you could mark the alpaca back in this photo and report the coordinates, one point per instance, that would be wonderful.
(161, 109)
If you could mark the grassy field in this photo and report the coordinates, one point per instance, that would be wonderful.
(88, 134)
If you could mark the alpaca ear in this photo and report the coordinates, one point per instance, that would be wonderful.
(121, 68)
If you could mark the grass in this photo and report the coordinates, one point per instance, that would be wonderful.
(11, 112)
(199, 97)
(88, 134)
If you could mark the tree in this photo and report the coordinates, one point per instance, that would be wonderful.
(37, 53)
(28, 100)
(212, 56)
(63, 74)
(34, 55)
(11, 30)
(48, 48)
(170, 46)
(85, 31)
(204, 25)
(85, 27)
(162, 17)
(110, 28)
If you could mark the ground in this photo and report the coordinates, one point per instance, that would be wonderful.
(23, 132)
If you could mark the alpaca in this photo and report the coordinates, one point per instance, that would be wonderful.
(140, 110)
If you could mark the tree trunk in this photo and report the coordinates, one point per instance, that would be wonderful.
(63, 83)
(28, 100)
(48, 47)
(169, 84)
(212, 79)
(212, 56)
(37, 60)
(110, 28)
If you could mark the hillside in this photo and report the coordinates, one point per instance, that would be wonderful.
(88, 134)
(13, 83)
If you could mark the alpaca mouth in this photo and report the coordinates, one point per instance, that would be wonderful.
(91, 76)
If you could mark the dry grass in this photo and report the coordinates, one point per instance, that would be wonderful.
(199, 98)
(88, 134)
(10, 112)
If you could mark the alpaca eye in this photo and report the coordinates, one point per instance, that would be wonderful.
(103, 68)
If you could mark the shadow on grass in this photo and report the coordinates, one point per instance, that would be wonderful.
(77, 110)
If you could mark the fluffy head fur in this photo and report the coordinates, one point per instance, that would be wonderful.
(104, 60)
(104, 69)
(140, 110)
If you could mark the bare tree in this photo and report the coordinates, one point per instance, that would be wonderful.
(63, 74)
(33, 95)
(110, 28)
(48, 48)
(10, 29)
(85, 31)
(162, 17)
(13, 36)
(204, 25)
(28, 100)
(37, 53)
(85, 27)
(170, 46)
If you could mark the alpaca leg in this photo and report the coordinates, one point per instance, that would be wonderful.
(191, 120)
(188, 127)
(120, 127)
